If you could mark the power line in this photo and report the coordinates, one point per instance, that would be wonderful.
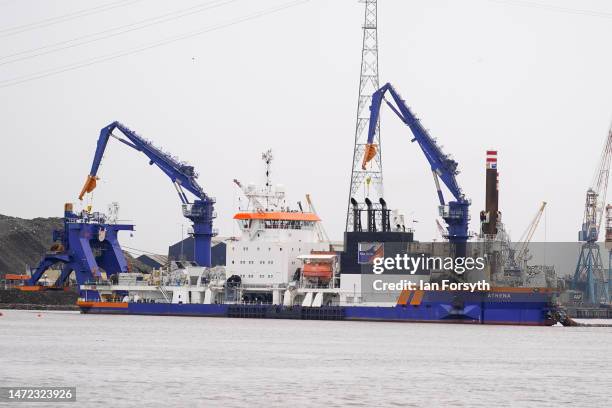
(7, 32)
(151, 22)
(550, 7)
(108, 57)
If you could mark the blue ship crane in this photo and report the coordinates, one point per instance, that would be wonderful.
(589, 275)
(88, 246)
(183, 176)
(456, 212)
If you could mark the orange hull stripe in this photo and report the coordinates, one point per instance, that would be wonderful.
(113, 305)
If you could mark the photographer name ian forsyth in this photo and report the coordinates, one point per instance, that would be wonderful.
(411, 264)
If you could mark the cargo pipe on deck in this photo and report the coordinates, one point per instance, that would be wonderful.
(356, 215)
(385, 221)
(371, 216)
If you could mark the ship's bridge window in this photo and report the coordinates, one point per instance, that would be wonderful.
(285, 224)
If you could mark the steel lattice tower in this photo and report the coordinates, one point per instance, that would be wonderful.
(369, 182)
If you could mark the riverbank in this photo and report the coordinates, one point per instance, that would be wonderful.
(44, 300)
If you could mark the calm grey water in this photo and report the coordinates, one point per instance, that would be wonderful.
(121, 361)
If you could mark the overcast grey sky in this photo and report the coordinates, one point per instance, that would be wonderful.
(529, 78)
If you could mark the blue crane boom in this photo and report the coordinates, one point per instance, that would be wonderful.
(455, 213)
(182, 175)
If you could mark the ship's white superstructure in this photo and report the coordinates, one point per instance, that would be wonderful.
(272, 235)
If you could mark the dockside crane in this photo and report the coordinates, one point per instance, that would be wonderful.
(183, 176)
(87, 246)
(455, 213)
(589, 274)
(322, 234)
(609, 248)
(522, 247)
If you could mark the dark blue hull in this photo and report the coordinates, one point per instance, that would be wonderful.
(500, 307)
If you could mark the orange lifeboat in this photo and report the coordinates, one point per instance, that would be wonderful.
(318, 270)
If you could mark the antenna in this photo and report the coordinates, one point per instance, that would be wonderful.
(267, 158)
